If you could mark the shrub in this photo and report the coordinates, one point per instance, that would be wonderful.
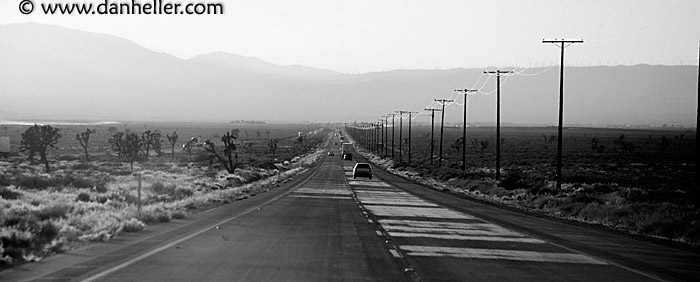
(133, 225)
(83, 197)
(182, 193)
(54, 212)
(9, 194)
(179, 214)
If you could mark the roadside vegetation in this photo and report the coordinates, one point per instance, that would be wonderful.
(91, 192)
(636, 181)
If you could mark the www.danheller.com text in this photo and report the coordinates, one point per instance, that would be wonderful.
(136, 7)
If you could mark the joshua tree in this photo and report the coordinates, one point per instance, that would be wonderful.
(127, 145)
(37, 139)
(83, 138)
(172, 139)
(272, 144)
(458, 144)
(229, 160)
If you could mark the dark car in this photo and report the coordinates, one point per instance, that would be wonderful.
(362, 169)
(331, 154)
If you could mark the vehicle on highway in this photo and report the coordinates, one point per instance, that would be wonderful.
(331, 154)
(346, 149)
(362, 169)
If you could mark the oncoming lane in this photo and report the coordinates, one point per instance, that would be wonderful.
(443, 244)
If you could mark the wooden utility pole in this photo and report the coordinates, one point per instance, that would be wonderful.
(432, 132)
(562, 43)
(393, 117)
(498, 119)
(464, 123)
(409, 136)
(442, 126)
(401, 134)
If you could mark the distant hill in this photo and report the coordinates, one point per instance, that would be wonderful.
(51, 72)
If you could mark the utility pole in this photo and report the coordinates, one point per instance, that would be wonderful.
(561, 103)
(498, 119)
(442, 126)
(409, 136)
(464, 130)
(393, 117)
(401, 134)
(386, 134)
(380, 128)
(432, 132)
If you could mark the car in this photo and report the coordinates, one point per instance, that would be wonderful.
(362, 169)
(347, 156)
(331, 154)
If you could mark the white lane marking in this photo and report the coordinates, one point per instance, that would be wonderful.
(499, 254)
(379, 233)
(467, 237)
(321, 197)
(323, 191)
(368, 183)
(398, 203)
(446, 226)
(394, 253)
(416, 212)
(465, 232)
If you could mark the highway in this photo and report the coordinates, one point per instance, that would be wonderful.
(327, 226)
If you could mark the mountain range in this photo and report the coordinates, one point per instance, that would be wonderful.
(51, 72)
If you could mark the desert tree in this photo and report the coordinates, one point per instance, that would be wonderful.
(300, 140)
(151, 140)
(172, 139)
(267, 132)
(457, 145)
(228, 159)
(127, 145)
(157, 142)
(249, 147)
(116, 142)
(272, 144)
(37, 140)
(623, 145)
(83, 138)
(257, 133)
(596, 146)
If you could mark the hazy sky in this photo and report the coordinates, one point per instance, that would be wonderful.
(357, 36)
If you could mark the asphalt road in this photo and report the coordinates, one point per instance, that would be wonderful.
(327, 226)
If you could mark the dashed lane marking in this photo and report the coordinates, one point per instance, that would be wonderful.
(499, 254)
(466, 237)
(322, 197)
(368, 183)
(331, 191)
(416, 212)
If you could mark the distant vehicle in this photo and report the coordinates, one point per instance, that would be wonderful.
(346, 148)
(362, 169)
(331, 154)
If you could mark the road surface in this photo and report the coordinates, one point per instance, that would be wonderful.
(327, 226)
